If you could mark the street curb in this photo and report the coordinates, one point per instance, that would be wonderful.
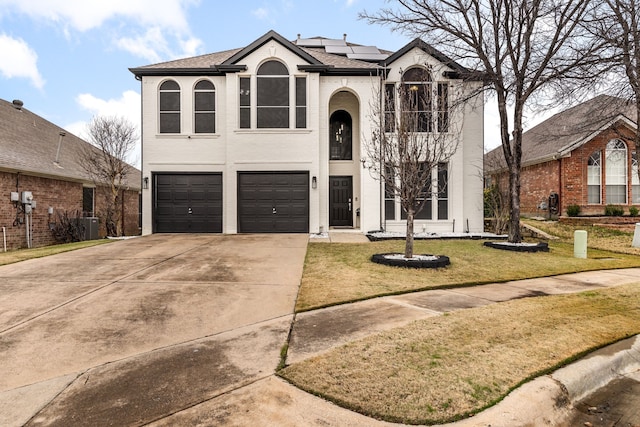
(599, 368)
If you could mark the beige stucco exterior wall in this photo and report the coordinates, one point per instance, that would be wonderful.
(231, 150)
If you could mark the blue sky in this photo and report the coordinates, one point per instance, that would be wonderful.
(68, 60)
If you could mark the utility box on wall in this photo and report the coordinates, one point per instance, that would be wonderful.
(91, 225)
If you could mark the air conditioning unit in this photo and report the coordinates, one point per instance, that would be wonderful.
(91, 225)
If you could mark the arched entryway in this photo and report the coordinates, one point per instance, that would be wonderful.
(344, 159)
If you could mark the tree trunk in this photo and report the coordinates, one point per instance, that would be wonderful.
(514, 203)
(408, 246)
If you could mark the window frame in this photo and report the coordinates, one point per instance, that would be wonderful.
(616, 172)
(419, 94)
(592, 176)
(197, 112)
(266, 102)
(165, 127)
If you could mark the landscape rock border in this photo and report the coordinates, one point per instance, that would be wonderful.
(441, 261)
(519, 247)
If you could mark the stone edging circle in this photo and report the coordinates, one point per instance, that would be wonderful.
(538, 247)
(441, 261)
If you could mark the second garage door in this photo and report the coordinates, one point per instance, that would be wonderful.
(273, 202)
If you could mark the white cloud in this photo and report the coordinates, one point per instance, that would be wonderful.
(154, 47)
(167, 17)
(19, 60)
(82, 15)
(127, 106)
(261, 13)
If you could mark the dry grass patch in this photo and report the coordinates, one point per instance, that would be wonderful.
(598, 237)
(445, 368)
(25, 254)
(342, 272)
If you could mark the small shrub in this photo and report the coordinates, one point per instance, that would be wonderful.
(68, 228)
(573, 210)
(633, 211)
(613, 210)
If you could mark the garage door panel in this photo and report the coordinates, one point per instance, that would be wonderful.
(260, 192)
(188, 203)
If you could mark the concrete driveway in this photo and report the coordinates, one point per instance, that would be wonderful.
(137, 330)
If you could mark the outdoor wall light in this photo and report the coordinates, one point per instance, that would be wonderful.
(314, 182)
(145, 182)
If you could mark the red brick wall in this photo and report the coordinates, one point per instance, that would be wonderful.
(60, 195)
(538, 181)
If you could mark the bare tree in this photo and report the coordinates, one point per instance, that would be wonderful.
(617, 24)
(523, 47)
(112, 139)
(410, 142)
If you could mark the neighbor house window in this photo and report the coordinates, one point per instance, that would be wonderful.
(616, 172)
(389, 107)
(273, 95)
(416, 100)
(169, 107)
(245, 102)
(635, 180)
(205, 107)
(88, 201)
(340, 137)
(594, 174)
(301, 102)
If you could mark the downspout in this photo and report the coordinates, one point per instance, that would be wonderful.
(122, 213)
(381, 94)
(4, 238)
(560, 201)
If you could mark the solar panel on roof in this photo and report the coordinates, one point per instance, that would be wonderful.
(367, 56)
(365, 49)
(309, 42)
(333, 42)
(339, 50)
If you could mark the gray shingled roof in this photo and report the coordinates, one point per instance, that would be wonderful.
(29, 143)
(566, 131)
(218, 58)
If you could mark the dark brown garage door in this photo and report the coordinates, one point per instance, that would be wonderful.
(187, 203)
(273, 202)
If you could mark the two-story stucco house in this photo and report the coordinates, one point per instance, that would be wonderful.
(270, 138)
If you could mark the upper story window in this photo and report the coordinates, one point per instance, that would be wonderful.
(417, 100)
(272, 95)
(169, 107)
(340, 136)
(204, 96)
(301, 102)
(616, 172)
(389, 107)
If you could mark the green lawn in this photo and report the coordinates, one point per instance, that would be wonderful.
(341, 272)
(25, 254)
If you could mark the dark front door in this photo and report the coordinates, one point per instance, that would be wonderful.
(340, 201)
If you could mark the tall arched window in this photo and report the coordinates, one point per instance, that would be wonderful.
(340, 138)
(204, 98)
(594, 179)
(273, 95)
(616, 172)
(417, 100)
(169, 107)
(635, 180)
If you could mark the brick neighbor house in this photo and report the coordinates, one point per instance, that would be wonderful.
(41, 161)
(585, 155)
